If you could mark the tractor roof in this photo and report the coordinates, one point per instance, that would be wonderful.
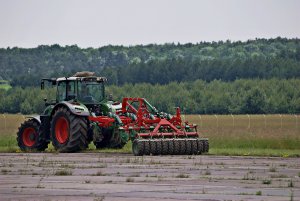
(91, 78)
(83, 76)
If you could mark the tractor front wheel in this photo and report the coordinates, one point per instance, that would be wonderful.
(68, 131)
(29, 138)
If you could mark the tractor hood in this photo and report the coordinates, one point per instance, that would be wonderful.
(75, 107)
(113, 106)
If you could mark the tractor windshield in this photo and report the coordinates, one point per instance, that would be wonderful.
(90, 92)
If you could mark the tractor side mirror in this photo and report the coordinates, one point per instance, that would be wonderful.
(110, 97)
(45, 100)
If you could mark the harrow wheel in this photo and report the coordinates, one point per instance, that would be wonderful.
(138, 147)
(194, 147)
(147, 150)
(170, 146)
(68, 131)
(200, 146)
(158, 147)
(188, 147)
(30, 138)
(153, 147)
(165, 147)
(182, 147)
(176, 145)
(205, 145)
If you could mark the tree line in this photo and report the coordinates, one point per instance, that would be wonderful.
(242, 96)
(162, 64)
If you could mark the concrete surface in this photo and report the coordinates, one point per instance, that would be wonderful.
(114, 176)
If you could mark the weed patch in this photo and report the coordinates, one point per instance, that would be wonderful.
(63, 172)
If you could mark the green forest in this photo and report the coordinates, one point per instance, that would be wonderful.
(244, 96)
(255, 76)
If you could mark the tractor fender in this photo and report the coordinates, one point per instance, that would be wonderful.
(78, 109)
(35, 118)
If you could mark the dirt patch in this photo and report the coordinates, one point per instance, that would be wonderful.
(103, 176)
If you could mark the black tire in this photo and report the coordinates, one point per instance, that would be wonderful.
(188, 147)
(147, 147)
(138, 147)
(89, 135)
(30, 138)
(170, 146)
(116, 141)
(194, 146)
(158, 147)
(206, 145)
(182, 147)
(165, 147)
(176, 146)
(105, 135)
(111, 139)
(153, 149)
(68, 131)
(199, 146)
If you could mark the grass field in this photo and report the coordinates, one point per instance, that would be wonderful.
(268, 135)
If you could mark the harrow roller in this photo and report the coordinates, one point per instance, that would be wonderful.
(171, 146)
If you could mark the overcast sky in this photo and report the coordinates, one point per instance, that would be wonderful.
(95, 23)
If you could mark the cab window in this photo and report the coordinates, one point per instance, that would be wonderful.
(66, 91)
(61, 91)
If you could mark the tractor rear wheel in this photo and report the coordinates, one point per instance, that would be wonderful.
(68, 131)
(29, 137)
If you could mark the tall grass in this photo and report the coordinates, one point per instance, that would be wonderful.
(249, 132)
(271, 135)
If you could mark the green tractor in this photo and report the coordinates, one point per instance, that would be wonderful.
(82, 113)
(65, 121)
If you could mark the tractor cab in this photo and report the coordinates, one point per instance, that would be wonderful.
(83, 88)
(86, 90)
